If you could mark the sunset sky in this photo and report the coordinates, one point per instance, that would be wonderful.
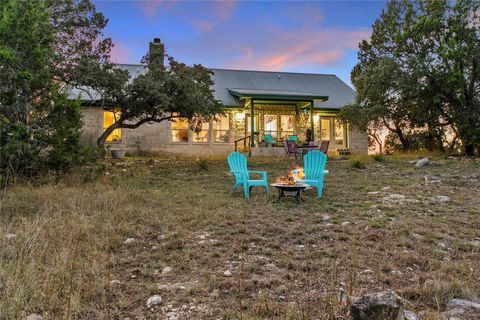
(315, 36)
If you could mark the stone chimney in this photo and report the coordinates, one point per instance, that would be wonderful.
(156, 51)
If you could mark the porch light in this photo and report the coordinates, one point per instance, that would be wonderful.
(239, 116)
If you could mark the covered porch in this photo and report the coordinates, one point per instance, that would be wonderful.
(283, 115)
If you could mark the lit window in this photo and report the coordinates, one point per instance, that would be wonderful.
(109, 118)
(179, 130)
(339, 132)
(221, 129)
(201, 134)
(325, 127)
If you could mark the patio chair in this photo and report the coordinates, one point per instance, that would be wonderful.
(269, 139)
(324, 146)
(314, 164)
(290, 148)
(292, 138)
(238, 167)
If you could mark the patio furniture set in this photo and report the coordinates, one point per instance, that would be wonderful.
(292, 148)
(313, 175)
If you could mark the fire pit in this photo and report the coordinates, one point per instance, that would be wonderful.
(288, 186)
(289, 190)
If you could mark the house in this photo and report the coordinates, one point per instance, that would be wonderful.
(282, 104)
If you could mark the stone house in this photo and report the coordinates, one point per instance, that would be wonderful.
(274, 104)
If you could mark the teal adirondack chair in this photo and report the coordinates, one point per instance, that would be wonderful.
(238, 167)
(293, 138)
(269, 138)
(314, 164)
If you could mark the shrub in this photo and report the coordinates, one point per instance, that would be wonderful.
(203, 164)
(357, 163)
(379, 157)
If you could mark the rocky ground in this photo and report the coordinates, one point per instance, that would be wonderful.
(163, 238)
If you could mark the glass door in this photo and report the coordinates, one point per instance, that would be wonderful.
(271, 125)
(287, 125)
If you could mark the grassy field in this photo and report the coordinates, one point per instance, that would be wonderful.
(211, 255)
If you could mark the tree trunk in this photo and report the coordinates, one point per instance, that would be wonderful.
(401, 137)
(103, 138)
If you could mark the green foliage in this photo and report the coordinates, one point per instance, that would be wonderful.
(161, 94)
(203, 164)
(465, 247)
(357, 163)
(420, 74)
(39, 126)
(379, 157)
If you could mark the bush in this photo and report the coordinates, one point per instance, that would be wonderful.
(357, 163)
(203, 164)
(53, 144)
(379, 157)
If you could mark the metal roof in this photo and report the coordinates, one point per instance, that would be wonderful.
(230, 85)
(315, 85)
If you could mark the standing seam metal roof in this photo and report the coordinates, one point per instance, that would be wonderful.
(338, 92)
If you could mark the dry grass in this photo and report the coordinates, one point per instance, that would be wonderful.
(287, 261)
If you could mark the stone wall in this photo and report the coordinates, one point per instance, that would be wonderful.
(358, 142)
(156, 138)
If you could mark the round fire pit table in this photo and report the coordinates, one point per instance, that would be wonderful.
(289, 190)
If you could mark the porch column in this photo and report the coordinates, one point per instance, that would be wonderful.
(252, 123)
(312, 126)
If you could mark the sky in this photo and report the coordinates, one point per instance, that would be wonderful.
(295, 36)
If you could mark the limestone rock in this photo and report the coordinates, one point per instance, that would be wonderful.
(398, 199)
(154, 300)
(34, 316)
(378, 306)
(129, 241)
(462, 309)
(409, 315)
(166, 270)
(422, 162)
(10, 236)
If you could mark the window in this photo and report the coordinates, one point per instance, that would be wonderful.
(325, 127)
(179, 130)
(339, 132)
(316, 126)
(287, 125)
(221, 129)
(109, 118)
(271, 122)
(201, 135)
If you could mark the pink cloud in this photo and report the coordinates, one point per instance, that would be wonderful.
(221, 12)
(150, 7)
(224, 9)
(203, 25)
(302, 47)
(121, 53)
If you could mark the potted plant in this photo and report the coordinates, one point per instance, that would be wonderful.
(118, 154)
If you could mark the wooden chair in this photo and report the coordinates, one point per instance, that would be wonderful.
(324, 146)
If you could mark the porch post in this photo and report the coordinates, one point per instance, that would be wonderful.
(252, 123)
(312, 127)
